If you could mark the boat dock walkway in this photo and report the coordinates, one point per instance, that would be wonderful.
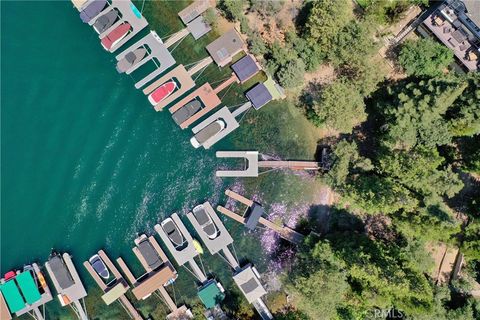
(176, 37)
(253, 164)
(183, 79)
(284, 231)
(186, 253)
(116, 289)
(72, 294)
(226, 83)
(200, 65)
(157, 51)
(125, 7)
(221, 242)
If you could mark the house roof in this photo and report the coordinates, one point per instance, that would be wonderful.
(245, 68)
(259, 96)
(225, 47)
(193, 10)
(198, 27)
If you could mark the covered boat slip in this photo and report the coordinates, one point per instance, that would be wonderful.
(194, 10)
(128, 14)
(183, 79)
(251, 165)
(158, 51)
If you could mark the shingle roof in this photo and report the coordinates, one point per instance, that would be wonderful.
(225, 47)
(259, 96)
(245, 68)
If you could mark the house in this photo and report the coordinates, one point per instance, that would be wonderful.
(456, 23)
(225, 47)
(246, 68)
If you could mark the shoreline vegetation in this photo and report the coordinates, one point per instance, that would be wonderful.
(404, 151)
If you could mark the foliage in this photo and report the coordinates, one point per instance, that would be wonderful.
(464, 115)
(284, 63)
(424, 57)
(211, 17)
(266, 7)
(256, 45)
(337, 110)
(233, 9)
(471, 241)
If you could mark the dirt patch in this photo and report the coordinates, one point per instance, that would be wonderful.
(444, 257)
(324, 74)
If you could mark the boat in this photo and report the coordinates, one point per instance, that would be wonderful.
(206, 133)
(99, 266)
(162, 92)
(137, 13)
(92, 10)
(116, 35)
(131, 59)
(205, 221)
(173, 233)
(60, 271)
(105, 21)
(149, 253)
(198, 247)
(185, 112)
(9, 275)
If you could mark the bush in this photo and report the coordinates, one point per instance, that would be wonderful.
(233, 9)
(211, 18)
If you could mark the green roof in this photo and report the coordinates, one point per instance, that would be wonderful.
(210, 295)
(12, 296)
(114, 293)
(28, 286)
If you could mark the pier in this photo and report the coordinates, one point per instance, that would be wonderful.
(67, 283)
(176, 37)
(186, 253)
(115, 290)
(158, 51)
(127, 15)
(181, 76)
(253, 216)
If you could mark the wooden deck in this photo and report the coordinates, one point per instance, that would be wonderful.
(145, 288)
(4, 312)
(294, 165)
(182, 77)
(226, 83)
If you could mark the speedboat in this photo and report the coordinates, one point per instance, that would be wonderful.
(206, 133)
(172, 232)
(105, 21)
(131, 59)
(9, 275)
(186, 111)
(92, 10)
(205, 221)
(116, 35)
(99, 266)
(162, 92)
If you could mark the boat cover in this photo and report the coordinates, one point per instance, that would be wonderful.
(12, 296)
(92, 10)
(61, 273)
(149, 254)
(173, 233)
(185, 112)
(28, 286)
(208, 132)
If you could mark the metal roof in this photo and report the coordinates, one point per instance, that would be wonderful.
(210, 295)
(249, 284)
(28, 286)
(254, 214)
(198, 27)
(245, 68)
(259, 96)
(12, 296)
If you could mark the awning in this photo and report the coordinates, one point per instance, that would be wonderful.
(12, 296)
(28, 286)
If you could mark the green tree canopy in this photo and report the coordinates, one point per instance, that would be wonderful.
(424, 57)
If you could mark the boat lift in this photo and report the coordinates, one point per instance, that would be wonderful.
(253, 164)
(158, 51)
(186, 253)
(68, 285)
(253, 215)
(114, 290)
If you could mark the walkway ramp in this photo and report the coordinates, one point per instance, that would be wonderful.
(251, 166)
(227, 83)
(176, 37)
(199, 66)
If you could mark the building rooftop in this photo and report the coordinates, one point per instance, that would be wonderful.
(259, 96)
(198, 27)
(249, 284)
(225, 47)
(254, 214)
(245, 68)
(193, 10)
(210, 294)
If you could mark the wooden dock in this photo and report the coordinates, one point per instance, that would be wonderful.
(176, 37)
(226, 83)
(199, 66)
(294, 165)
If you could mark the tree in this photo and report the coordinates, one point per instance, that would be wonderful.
(211, 17)
(464, 115)
(336, 109)
(291, 74)
(471, 241)
(266, 7)
(233, 9)
(318, 282)
(424, 57)
(256, 45)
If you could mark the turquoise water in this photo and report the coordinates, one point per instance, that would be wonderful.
(88, 164)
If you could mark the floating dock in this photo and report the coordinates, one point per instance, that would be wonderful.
(253, 164)
(67, 283)
(25, 292)
(157, 50)
(221, 242)
(128, 13)
(253, 216)
(114, 290)
(186, 253)
(183, 79)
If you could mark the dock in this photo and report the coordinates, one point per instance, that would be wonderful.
(253, 164)
(228, 82)
(4, 312)
(157, 51)
(185, 254)
(125, 7)
(181, 76)
(200, 65)
(67, 283)
(176, 37)
(253, 215)
(194, 10)
(220, 244)
(114, 290)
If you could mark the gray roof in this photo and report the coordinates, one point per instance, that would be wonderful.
(249, 284)
(225, 47)
(254, 214)
(60, 271)
(245, 68)
(259, 96)
(473, 10)
(149, 254)
(198, 27)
